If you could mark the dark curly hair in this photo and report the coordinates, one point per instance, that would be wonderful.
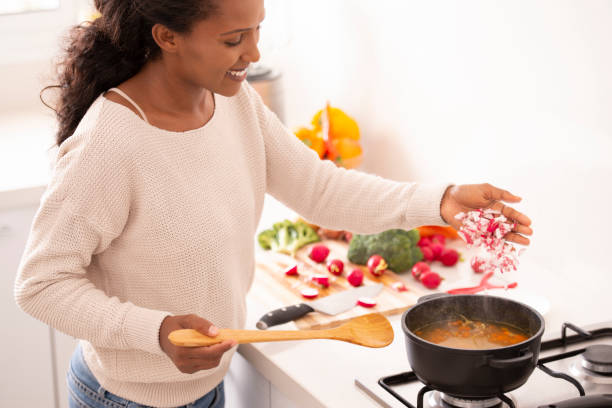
(106, 52)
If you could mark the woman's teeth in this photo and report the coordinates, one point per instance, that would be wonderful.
(237, 74)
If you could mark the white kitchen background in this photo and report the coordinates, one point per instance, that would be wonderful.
(517, 93)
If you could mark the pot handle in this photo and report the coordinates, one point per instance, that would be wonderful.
(590, 401)
(431, 296)
(510, 362)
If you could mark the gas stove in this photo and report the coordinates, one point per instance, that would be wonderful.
(575, 364)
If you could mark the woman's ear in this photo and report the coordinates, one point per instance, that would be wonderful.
(165, 38)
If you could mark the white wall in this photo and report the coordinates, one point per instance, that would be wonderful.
(517, 93)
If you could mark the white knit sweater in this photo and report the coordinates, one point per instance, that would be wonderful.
(139, 223)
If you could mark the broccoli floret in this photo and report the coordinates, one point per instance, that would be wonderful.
(287, 237)
(267, 239)
(398, 247)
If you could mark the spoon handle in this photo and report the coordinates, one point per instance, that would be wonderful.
(193, 338)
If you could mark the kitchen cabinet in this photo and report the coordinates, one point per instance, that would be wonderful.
(27, 356)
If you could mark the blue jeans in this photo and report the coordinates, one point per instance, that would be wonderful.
(84, 391)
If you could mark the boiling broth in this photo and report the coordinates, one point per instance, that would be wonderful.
(471, 334)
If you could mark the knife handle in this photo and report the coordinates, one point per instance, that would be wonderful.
(283, 315)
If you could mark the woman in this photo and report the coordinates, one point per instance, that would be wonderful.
(147, 225)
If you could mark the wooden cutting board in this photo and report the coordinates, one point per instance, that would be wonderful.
(272, 289)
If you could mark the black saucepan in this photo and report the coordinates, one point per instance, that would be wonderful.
(472, 373)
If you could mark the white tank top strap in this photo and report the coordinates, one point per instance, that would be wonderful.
(120, 92)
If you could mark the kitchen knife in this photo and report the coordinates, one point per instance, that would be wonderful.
(331, 305)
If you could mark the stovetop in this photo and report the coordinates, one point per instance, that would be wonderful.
(559, 376)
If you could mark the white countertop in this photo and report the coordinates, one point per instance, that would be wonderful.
(321, 373)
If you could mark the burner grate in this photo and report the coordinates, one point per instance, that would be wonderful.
(565, 340)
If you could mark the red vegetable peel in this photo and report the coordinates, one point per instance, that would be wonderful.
(484, 284)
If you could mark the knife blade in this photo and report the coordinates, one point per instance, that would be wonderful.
(331, 305)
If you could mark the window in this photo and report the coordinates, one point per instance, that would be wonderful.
(32, 29)
(22, 6)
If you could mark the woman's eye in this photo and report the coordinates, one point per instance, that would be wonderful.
(234, 43)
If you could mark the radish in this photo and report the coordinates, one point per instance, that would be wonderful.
(439, 238)
(355, 278)
(399, 286)
(478, 264)
(318, 253)
(449, 256)
(348, 236)
(424, 241)
(418, 269)
(377, 265)
(366, 302)
(430, 279)
(309, 293)
(291, 271)
(437, 249)
(335, 266)
(322, 280)
(428, 254)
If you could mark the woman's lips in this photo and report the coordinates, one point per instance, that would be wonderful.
(237, 75)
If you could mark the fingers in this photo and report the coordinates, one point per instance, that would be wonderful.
(517, 238)
(518, 217)
(216, 350)
(521, 221)
(502, 195)
(513, 215)
(195, 322)
(192, 359)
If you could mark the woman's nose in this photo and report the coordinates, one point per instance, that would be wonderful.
(252, 53)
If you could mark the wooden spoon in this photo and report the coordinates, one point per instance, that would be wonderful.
(371, 330)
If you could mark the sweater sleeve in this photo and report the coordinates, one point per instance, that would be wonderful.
(338, 198)
(85, 207)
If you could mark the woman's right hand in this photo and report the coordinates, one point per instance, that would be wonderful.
(191, 359)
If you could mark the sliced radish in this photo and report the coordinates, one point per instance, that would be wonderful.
(309, 293)
(399, 286)
(377, 265)
(366, 302)
(291, 271)
(335, 266)
(322, 280)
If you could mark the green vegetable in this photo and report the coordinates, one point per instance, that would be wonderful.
(398, 247)
(287, 237)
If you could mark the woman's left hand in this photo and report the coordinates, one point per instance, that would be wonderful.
(468, 197)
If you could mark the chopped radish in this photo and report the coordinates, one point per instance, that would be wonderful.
(428, 254)
(335, 266)
(430, 279)
(355, 278)
(377, 265)
(322, 280)
(348, 236)
(487, 228)
(366, 302)
(291, 271)
(318, 253)
(418, 269)
(399, 286)
(478, 264)
(309, 293)
(449, 257)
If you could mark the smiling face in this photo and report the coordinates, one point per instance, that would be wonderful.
(216, 52)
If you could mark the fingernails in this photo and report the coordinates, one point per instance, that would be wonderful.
(213, 331)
